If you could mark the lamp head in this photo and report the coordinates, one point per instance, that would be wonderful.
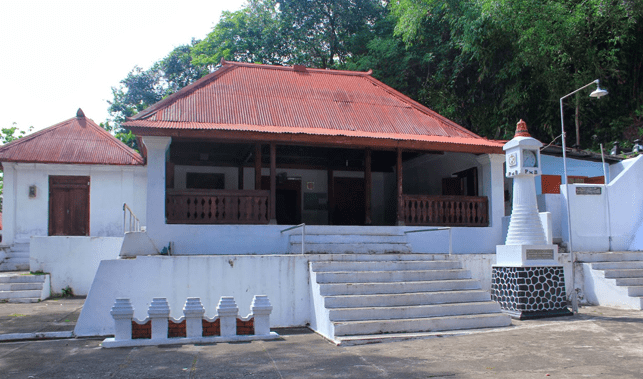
(598, 92)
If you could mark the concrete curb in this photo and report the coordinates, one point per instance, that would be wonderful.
(35, 336)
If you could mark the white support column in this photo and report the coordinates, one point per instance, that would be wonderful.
(193, 311)
(492, 181)
(261, 309)
(122, 312)
(9, 203)
(228, 313)
(156, 158)
(159, 313)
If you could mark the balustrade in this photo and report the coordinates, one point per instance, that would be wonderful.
(217, 207)
(446, 210)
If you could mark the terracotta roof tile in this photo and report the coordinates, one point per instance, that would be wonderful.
(277, 99)
(75, 141)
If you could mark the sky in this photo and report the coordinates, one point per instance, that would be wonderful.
(60, 55)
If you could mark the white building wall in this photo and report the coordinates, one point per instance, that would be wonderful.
(110, 187)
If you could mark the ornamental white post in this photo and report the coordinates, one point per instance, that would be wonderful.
(261, 309)
(159, 313)
(228, 313)
(122, 312)
(527, 279)
(193, 311)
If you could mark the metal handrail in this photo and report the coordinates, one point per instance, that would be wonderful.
(303, 235)
(434, 230)
(133, 220)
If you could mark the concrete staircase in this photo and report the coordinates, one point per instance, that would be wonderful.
(365, 298)
(613, 279)
(23, 287)
(17, 257)
(346, 239)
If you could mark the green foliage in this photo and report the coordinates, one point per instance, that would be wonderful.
(67, 292)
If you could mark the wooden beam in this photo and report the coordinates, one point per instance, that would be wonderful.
(367, 187)
(257, 166)
(400, 200)
(273, 183)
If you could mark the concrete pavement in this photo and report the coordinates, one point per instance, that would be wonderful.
(598, 342)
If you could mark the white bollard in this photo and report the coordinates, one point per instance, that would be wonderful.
(261, 309)
(228, 312)
(159, 313)
(193, 311)
(122, 312)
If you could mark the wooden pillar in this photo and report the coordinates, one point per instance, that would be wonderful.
(367, 187)
(331, 197)
(273, 183)
(400, 201)
(257, 166)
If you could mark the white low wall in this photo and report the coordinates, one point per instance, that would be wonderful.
(71, 261)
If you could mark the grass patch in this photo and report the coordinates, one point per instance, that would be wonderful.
(17, 315)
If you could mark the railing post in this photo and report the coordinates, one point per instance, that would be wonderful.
(261, 309)
(122, 312)
(193, 311)
(159, 313)
(228, 312)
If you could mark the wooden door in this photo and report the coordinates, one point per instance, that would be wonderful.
(288, 198)
(69, 205)
(349, 203)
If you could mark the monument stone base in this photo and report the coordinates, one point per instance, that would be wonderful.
(530, 292)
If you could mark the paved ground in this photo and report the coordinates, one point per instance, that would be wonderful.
(597, 343)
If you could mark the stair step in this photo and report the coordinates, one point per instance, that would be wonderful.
(623, 282)
(617, 265)
(390, 276)
(418, 311)
(20, 278)
(397, 287)
(13, 265)
(610, 257)
(23, 300)
(20, 286)
(349, 238)
(356, 248)
(334, 266)
(405, 299)
(20, 247)
(18, 254)
(348, 328)
(388, 257)
(19, 294)
(624, 273)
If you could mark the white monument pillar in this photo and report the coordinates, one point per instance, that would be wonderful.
(527, 279)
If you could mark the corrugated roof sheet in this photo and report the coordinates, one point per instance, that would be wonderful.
(277, 99)
(75, 141)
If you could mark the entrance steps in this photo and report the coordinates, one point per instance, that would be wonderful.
(348, 240)
(613, 279)
(23, 287)
(361, 298)
(17, 257)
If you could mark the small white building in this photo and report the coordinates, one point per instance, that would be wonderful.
(67, 184)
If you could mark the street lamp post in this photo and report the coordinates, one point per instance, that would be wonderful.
(597, 93)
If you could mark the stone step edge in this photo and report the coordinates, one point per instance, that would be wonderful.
(420, 319)
(411, 293)
(433, 305)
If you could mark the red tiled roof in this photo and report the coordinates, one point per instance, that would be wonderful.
(77, 141)
(248, 97)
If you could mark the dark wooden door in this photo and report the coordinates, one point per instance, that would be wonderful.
(288, 198)
(350, 206)
(69, 205)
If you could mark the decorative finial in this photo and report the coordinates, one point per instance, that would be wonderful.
(80, 113)
(521, 129)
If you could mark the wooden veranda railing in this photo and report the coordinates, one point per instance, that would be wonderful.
(446, 210)
(217, 207)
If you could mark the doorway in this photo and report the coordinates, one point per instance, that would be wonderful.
(69, 205)
(288, 198)
(349, 203)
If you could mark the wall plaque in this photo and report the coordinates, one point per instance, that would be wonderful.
(538, 254)
(588, 190)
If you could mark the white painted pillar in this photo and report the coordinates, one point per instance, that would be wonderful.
(9, 203)
(159, 313)
(492, 181)
(193, 311)
(261, 309)
(228, 313)
(155, 210)
(122, 312)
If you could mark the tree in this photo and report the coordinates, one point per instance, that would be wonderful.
(7, 135)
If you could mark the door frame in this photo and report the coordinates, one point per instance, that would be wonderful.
(68, 181)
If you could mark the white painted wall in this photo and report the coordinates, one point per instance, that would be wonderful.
(111, 186)
(71, 261)
(283, 278)
(552, 203)
(552, 165)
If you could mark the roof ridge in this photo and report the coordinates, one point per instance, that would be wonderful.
(292, 68)
(116, 142)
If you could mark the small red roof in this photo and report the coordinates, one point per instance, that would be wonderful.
(75, 141)
(245, 97)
